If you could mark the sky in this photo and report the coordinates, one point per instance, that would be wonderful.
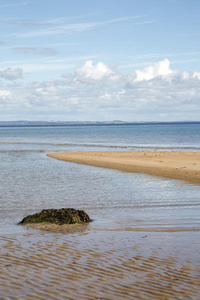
(130, 60)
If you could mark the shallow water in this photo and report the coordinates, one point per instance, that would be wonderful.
(31, 181)
(136, 219)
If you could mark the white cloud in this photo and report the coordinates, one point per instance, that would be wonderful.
(16, 4)
(48, 91)
(95, 73)
(196, 75)
(76, 27)
(96, 92)
(80, 27)
(4, 94)
(161, 68)
(11, 74)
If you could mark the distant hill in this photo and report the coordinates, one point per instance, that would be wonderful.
(24, 123)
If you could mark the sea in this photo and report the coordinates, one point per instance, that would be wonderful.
(31, 181)
(135, 217)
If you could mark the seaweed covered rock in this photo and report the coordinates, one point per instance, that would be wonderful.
(57, 216)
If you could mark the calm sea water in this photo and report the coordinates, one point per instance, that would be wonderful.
(31, 181)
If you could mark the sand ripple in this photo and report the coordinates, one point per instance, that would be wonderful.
(98, 266)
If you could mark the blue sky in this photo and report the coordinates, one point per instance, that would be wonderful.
(133, 60)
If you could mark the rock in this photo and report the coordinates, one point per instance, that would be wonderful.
(57, 216)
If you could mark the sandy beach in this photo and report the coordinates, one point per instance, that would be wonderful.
(170, 164)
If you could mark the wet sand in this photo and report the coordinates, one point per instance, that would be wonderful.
(100, 265)
(170, 164)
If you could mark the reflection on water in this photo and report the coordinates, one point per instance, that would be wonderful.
(30, 182)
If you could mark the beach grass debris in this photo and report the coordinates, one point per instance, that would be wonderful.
(57, 216)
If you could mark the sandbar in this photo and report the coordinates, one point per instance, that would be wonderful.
(180, 165)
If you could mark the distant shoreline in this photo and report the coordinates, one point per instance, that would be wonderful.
(169, 164)
(87, 123)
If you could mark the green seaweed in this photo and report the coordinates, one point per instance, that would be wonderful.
(57, 216)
